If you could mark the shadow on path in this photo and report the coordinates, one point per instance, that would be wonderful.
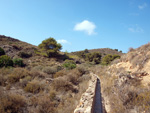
(98, 101)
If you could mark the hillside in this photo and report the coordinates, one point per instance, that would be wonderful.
(13, 46)
(125, 83)
(41, 84)
(31, 81)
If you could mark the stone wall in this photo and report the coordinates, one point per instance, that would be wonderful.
(87, 100)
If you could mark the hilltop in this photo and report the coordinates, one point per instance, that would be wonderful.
(103, 51)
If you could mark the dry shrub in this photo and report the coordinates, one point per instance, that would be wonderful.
(73, 76)
(82, 69)
(143, 101)
(85, 77)
(67, 106)
(39, 74)
(50, 70)
(34, 87)
(5, 71)
(52, 95)
(18, 74)
(23, 82)
(8, 87)
(3, 80)
(12, 103)
(38, 68)
(59, 73)
(131, 49)
(46, 105)
(69, 101)
(62, 83)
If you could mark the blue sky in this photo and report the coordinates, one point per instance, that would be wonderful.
(78, 24)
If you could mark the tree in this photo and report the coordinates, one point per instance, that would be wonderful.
(50, 46)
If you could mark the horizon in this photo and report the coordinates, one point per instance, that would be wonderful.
(78, 25)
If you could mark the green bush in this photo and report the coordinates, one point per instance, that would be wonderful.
(2, 52)
(69, 64)
(18, 62)
(93, 57)
(108, 59)
(5, 61)
(24, 55)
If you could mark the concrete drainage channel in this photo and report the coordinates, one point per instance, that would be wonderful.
(90, 101)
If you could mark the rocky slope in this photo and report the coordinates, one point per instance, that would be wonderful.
(126, 82)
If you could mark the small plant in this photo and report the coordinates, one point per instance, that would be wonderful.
(59, 74)
(34, 87)
(24, 55)
(5, 61)
(2, 52)
(69, 64)
(24, 82)
(18, 62)
(52, 95)
(50, 70)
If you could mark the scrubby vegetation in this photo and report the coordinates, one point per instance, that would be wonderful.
(12, 103)
(2, 52)
(42, 79)
(24, 54)
(108, 59)
(5, 61)
(18, 62)
(69, 64)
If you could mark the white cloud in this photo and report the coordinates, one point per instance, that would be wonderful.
(142, 6)
(136, 29)
(86, 26)
(62, 41)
